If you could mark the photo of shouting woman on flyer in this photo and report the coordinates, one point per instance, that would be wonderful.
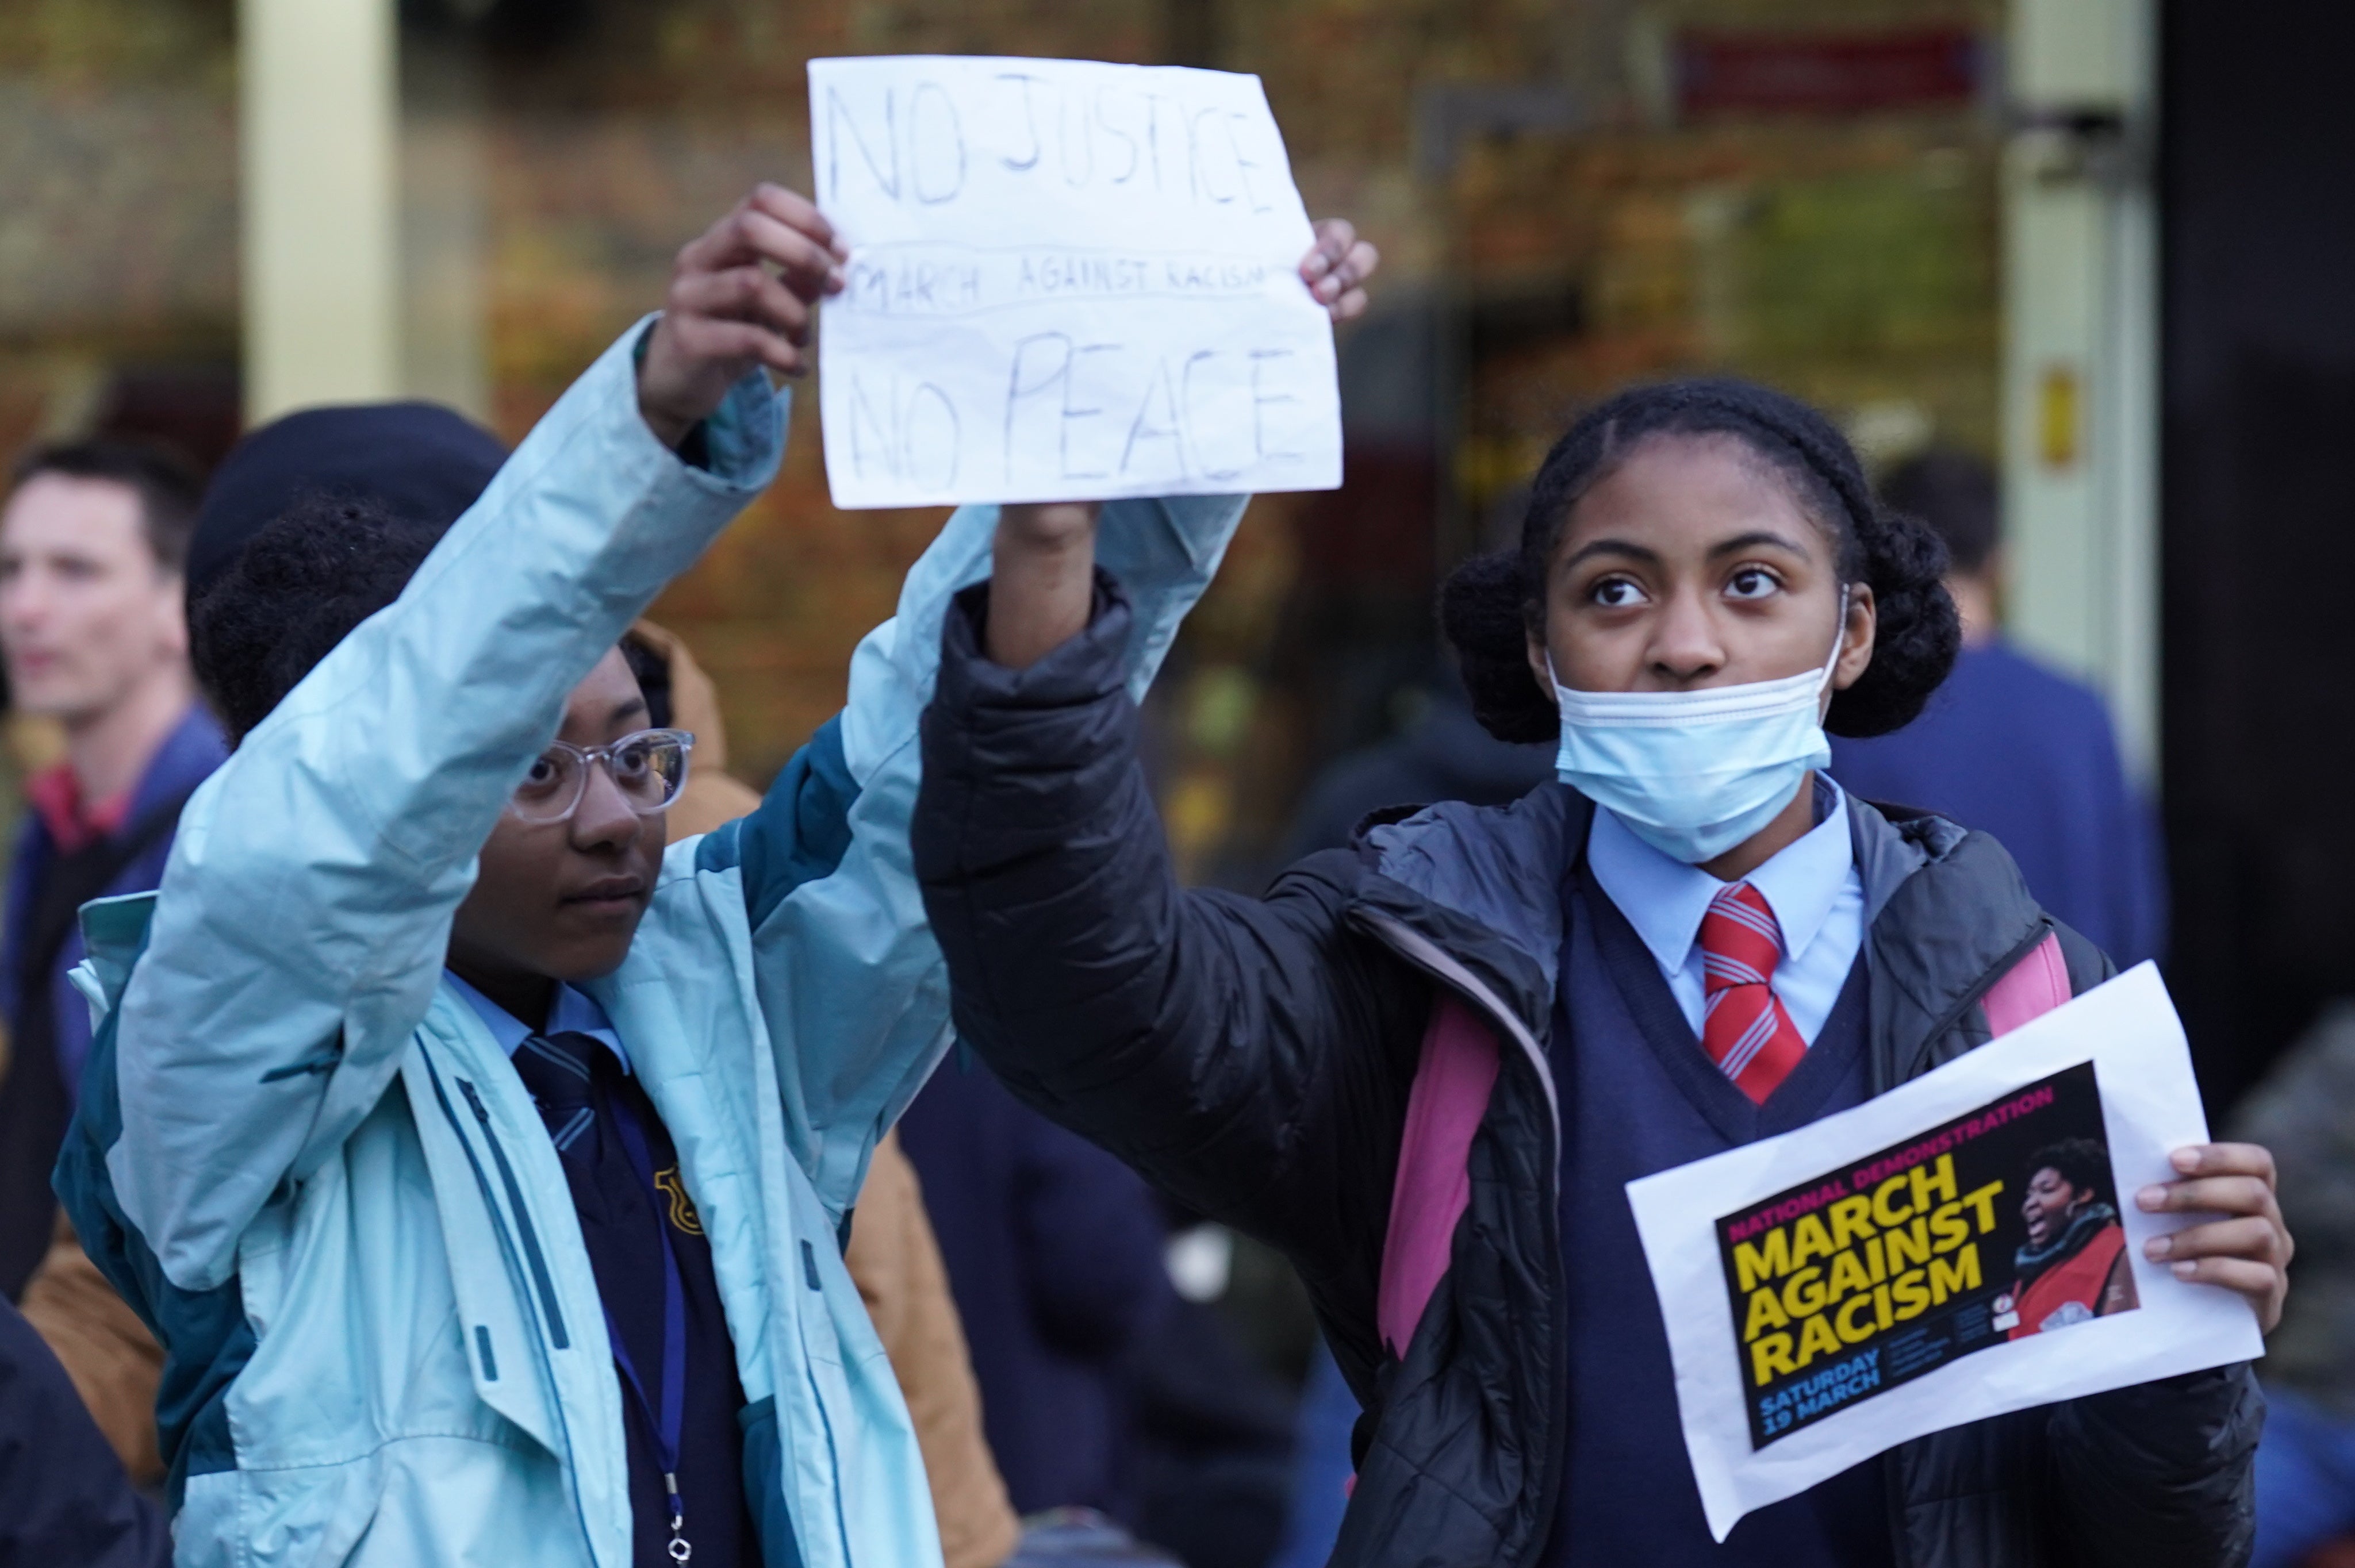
(2072, 1268)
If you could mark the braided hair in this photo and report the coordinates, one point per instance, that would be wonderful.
(1491, 605)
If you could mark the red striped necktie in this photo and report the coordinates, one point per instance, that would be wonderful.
(1745, 1029)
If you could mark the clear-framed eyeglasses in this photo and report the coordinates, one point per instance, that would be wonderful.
(649, 767)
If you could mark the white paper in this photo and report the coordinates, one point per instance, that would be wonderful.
(1068, 280)
(2150, 1106)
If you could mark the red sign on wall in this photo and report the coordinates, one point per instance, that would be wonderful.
(1752, 73)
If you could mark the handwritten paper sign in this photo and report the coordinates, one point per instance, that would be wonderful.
(1962, 1246)
(1068, 280)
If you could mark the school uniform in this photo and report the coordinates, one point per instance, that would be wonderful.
(1268, 1061)
(1642, 1095)
(399, 1322)
(652, 1265)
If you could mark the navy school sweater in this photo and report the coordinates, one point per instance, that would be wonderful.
(1640, 1095)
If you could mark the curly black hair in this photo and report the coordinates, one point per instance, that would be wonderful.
(2082, 1162)
(1490, 606)
(297, 588)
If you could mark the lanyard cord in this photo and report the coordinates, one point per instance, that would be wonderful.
(667, 1428)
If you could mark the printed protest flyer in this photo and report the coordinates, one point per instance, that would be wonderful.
(1999, 1224)
(1952, 1250)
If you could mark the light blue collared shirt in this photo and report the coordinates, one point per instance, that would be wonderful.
(1811, 886)
(573, 1009)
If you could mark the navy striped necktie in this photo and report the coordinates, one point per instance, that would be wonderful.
(559, 1070)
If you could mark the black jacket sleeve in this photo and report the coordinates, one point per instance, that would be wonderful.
(2161, 1473)
(1252, 1057)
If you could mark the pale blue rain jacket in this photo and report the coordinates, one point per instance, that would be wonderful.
(307, 1163)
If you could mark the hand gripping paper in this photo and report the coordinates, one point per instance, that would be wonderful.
(1918, 1262)
(1068, 280)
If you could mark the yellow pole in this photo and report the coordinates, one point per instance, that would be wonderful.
(318, 118)
(2081, 308)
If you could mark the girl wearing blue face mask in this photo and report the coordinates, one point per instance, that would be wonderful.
(1426, 1066)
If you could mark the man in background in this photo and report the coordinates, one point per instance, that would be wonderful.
(2013, 748)
(93, 628)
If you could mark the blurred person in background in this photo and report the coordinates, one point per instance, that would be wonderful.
(423, 463)
(2304, 1112)
(1054, 1254)
(1105, 1388)
(1321, 1464)
(92, 547)
(1440, 753)
(2012, 748)
(64, 1498)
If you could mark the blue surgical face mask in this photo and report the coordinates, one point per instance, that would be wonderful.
(1695, 773)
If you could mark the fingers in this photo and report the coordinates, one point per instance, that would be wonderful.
(2225, 1160)
(2247, 1253)
(709, 340)
(2209, 1194)
(1336, 268)
(2220, 1178)
(2257, 1281)
(797, 212)
(726, 306)
(2253, 1239)
(747, 293)
(810, 267)
(774, 226)
(1360, 264)
(1333, 238)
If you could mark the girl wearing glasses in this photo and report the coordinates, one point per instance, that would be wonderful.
(483, 1169)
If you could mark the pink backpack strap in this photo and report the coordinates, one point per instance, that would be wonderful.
(2034, 987)
(1451, 1085)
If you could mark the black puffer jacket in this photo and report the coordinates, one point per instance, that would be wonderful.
(1254, 1057)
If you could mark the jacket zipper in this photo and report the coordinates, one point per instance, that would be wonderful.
(530, 1237)
(1442, 966)
(1437, 962)
(507, 1244)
